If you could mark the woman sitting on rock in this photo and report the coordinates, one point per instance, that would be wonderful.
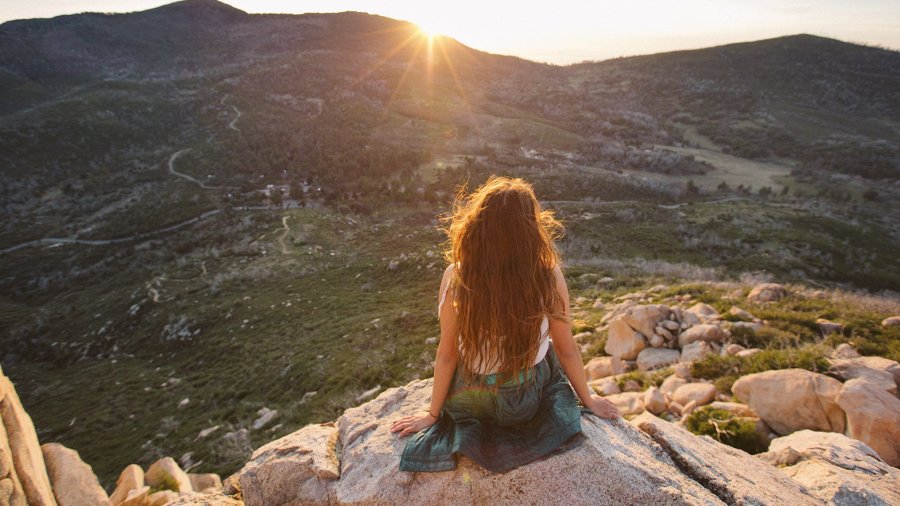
(500, 394)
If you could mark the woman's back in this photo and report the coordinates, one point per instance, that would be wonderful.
(481, 365)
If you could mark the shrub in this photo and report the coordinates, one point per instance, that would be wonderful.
(166, 482)
(645, 379)
(725, 427)
(717, 367)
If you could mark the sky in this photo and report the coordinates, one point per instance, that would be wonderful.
(569, 31)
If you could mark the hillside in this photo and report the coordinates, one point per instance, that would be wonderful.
(207, 212)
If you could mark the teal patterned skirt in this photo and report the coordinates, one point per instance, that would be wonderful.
(499, 428)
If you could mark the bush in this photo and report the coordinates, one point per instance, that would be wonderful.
(167, 482)
(727, 369)
(646, 379)
(725, 427)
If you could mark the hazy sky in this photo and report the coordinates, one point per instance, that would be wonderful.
(565, 31)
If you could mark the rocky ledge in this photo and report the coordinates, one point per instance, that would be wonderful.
(643, 461)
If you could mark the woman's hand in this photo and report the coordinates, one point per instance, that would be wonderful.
(603, 408)
(413, 423)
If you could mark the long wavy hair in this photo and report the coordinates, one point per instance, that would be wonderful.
(502, 246)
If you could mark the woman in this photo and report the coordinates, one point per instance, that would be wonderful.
(500, 396)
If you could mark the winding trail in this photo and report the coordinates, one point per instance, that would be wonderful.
(53, 241)
(233, 124)
(192, 179)
(287, 230)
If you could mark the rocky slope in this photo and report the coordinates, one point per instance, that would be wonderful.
(355, 460)
(644, 461)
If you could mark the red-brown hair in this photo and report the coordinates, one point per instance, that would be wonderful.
(502, 246)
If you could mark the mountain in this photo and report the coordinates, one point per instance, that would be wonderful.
(204, 212)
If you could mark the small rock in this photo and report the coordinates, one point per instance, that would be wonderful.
(601, 367)
(733, 349)
(266, 415)
(161, 498)
(656, 341)
(628, 403)
(740, 313)
(672, 383)
(766, 292)
(654, 401)
(696, 351)
(203, 482)
(734, 407)
(702, 332)
(136, 497)
(891, 321)
(682, 370)
(632, 386)
(654, 358)
(700, 393)
(828, 326)
(131, 478)
(844, 350)
(605, 386)
(704, 312)
(749, 352)
(164, 467)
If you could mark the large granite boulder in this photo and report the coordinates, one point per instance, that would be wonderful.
(645, 461)
(611, 462)
(623, 341)
(735, 476)
(24, 450)
(793, 399)
(873, 417)
(72, 480)
(838, 469)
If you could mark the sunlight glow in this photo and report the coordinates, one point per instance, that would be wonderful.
(573, 30)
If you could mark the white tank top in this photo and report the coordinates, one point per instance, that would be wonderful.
(542, 350)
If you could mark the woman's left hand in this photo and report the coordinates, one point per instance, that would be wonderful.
(412, 424)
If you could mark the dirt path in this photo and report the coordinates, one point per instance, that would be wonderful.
(287, 230)
(233, 124)
(192, 179)
(55, 241)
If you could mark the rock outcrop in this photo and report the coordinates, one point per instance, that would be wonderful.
(837, 469)
(28, 469)
(72, 480)
(302, 468)
(645, 461)
(793, 399)
(873, 417)
(735, 476)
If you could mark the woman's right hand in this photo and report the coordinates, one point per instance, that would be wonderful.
(603, 408)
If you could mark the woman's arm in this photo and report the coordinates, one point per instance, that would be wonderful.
(444, 367)
(569, 355)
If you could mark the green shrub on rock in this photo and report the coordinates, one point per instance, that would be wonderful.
(723, 426)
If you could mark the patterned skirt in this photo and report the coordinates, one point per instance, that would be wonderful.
(502, 427)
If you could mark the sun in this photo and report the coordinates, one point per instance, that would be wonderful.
(428, 28)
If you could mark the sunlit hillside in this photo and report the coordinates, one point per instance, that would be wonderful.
(206, 213)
